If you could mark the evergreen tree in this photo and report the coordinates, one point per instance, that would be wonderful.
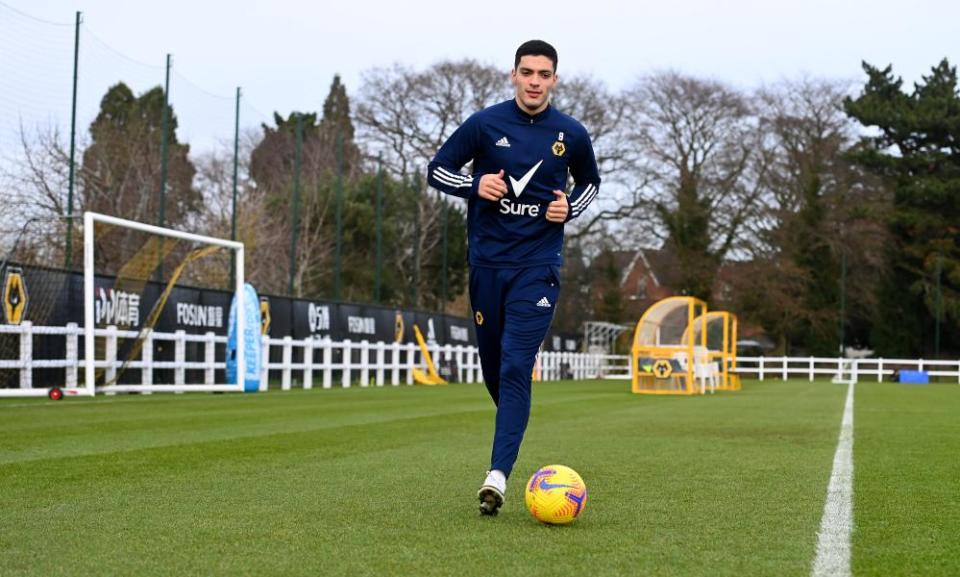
(327, 152)
(120, 173)
(917, 151)
(121, 167)
(336, 126)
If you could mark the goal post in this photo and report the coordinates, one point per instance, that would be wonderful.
(91, 332)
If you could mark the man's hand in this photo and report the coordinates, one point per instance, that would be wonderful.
(492, 187)
(558, 209)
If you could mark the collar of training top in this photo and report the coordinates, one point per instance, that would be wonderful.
(532, 117)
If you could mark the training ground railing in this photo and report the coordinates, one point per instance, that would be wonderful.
(301, 363)
(556, 366)
(842, 369)
(304, 363)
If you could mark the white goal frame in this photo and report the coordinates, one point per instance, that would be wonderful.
(89, 334)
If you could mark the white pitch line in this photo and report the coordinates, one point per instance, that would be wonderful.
(833, 541)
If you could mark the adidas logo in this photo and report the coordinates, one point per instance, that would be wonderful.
(503, 142)
(544, 303)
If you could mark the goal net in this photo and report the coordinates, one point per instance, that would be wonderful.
(157, 309)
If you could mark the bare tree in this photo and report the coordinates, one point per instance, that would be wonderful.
(272, 166)
(35, 179)
(701, 160)
(407, 114)
(34, 182)
(604, 115)
(806, 131)
(255, 222)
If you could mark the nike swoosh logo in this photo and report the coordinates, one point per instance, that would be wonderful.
(545, 486)
(519, 185)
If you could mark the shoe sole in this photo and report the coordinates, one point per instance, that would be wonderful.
(490, 500)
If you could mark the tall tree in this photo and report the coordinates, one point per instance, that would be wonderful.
(272, 168)
(608, 294)
(916, 148)
(576, 288)
(121, 166)
(121, 169)
(701, 157)
(336, 127)
(818, 239)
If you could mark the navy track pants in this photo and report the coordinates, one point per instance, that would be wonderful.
(512, 308)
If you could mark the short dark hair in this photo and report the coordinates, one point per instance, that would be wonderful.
(536, 48)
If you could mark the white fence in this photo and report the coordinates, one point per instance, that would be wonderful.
(303, 363)
(324, 363)
(854, 370)
(26, 363)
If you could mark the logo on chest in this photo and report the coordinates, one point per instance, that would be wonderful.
(519, 185)
(559, 148)
(508, 206)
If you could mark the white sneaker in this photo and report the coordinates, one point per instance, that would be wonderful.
(492, 491)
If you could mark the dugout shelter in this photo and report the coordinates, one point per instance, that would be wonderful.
(668, 359)
(720, 330)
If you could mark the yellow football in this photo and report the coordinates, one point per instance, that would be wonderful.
(555, 494)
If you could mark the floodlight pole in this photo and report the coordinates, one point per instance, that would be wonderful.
(843, 298)
(939, 306)
(377, 278)
(416, 239)
(236, 157)
(338, 263)
(295, 205)
(68, 255)
(164, 140)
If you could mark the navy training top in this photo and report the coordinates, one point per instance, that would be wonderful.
(536, 153)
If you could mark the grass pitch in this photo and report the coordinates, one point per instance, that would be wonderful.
(383, 481)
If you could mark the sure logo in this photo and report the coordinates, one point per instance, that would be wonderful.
(508, 206)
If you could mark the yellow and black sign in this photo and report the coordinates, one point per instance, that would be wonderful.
(14, 296)
(398, 328)
(478, 316)
(558, 148)
(662, 369)
(264, 316)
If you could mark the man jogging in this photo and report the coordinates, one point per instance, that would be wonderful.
(522, 151)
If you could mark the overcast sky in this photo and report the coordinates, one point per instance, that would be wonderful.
(284, 53)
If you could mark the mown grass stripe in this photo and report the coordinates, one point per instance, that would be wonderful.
(383, 482)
